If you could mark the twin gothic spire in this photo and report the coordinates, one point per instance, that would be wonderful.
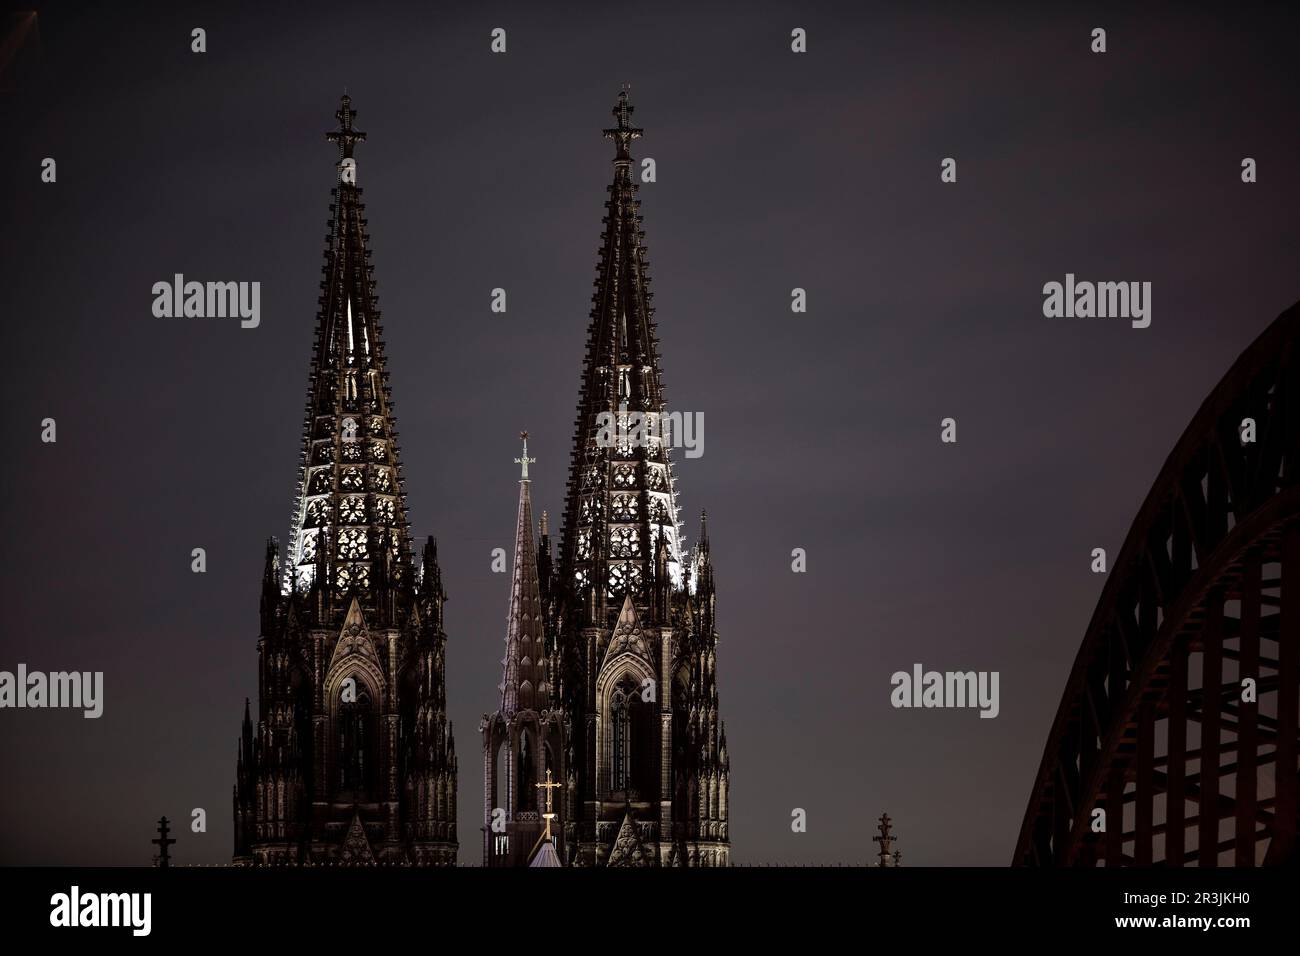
(608, 698)
(350, 531)
(621, 505)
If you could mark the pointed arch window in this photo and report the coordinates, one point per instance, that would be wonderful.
(620, 712)
(501, 779)
(356, 743)
(527, 775)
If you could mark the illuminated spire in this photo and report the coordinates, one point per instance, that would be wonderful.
(349, 601)
(350, 531)
(622, 589)
(620, 493)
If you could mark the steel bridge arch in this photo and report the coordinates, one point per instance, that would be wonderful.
(1153, 728)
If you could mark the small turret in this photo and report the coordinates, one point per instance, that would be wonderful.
(270, 603)
(661, 581)
(432, 596)
(544, 559)
(705, 595)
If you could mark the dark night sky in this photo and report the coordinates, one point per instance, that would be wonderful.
(822, 430)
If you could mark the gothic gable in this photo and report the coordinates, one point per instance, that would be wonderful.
(627, 849)
(354, 644)
(356, 845)
(628, 637)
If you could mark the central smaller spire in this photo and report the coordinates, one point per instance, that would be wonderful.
(624, 132)
(524, 685)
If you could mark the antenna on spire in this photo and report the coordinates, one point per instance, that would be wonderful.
(525, 461)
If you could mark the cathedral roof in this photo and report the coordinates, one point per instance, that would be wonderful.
(546, 855)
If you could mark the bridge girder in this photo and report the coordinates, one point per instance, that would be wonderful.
(1152, 727)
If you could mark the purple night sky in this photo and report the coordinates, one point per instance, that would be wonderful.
(775, 170)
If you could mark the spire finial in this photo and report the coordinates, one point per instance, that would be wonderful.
(163, 842)
(886, 840)
(624, 132)
(345, 135)
(524, 461)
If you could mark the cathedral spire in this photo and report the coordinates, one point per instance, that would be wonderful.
(621, 489)
(524, 681)
(378, 764)
(650, 773)
(350, 532)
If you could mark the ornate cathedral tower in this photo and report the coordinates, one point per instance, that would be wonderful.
(636, 613)
(524, 755)
(352, 757)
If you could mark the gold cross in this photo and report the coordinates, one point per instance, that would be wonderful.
(548, 786)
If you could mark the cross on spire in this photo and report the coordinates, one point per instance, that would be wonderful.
(525, 461)
(548, 786)
(624, 132)
(163, 842)
(345, 135)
